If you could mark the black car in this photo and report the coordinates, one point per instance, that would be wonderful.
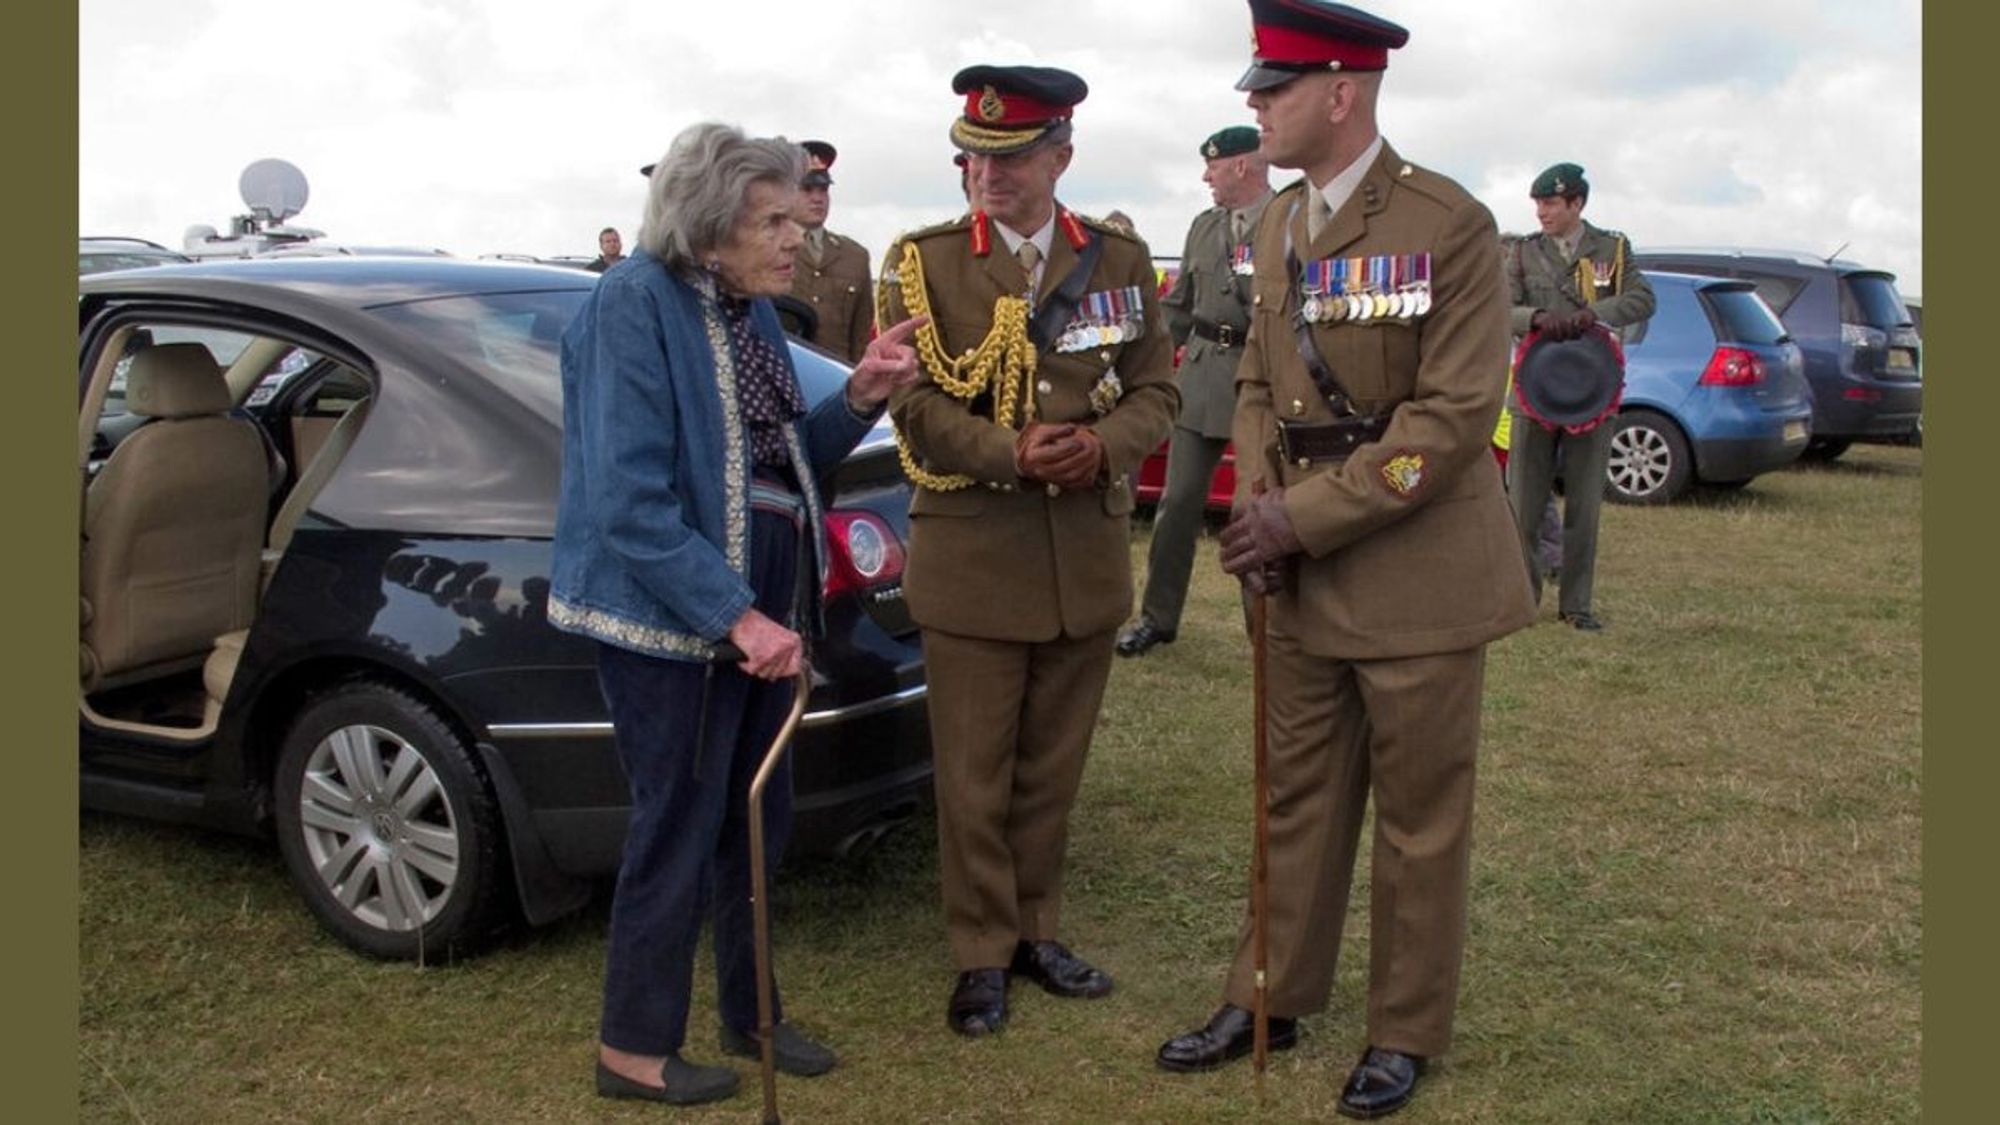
(101, 254)
(1863, 353)
(315, 582)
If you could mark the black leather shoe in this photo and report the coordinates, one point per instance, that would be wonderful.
(791, 1052)
(1059, 971)
(681, 1083)
(1380, 1084)
(978, 1002)
(1583, 621)
(1136, 640)
(1230, 1034)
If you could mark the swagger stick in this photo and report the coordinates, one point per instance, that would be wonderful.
(1260, 913)
(759, 903)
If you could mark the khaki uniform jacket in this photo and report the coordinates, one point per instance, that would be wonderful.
(1410, 548)
(1539, 277)
(1005, 559)
(838, 289)
(1209, 288)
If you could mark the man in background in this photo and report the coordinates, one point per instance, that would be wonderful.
(1208, 313)
(610, 250)
(831, 272)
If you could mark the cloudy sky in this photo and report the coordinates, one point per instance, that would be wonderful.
(485, 126)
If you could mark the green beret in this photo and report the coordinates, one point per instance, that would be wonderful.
(1233, 141)
(1560, 179)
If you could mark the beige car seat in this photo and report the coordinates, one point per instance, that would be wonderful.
(173, 524)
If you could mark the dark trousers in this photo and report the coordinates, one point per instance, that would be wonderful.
(1531, 471)
(1191, 461)
(687, 849)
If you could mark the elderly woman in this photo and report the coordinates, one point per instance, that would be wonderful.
(688, 517)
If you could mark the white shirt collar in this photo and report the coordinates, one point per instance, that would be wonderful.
(1341, 188)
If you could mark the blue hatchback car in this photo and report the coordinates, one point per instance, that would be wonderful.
(1715, 392)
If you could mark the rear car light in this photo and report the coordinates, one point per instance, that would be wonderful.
(1861, 394)
(862, 551)
(1732, 367)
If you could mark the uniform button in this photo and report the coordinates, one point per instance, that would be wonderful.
(1055, 490)
(1298, 408)
(1305, 463)
(1256, 298)
(1045, 386)
(1104, 357)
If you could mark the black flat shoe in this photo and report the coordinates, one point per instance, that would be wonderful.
(1059, 971)
(791, 1052)
(1583, 621)
(1380, 1084)
(682, 1083)
(1136, 640)
(978, 1002)
(1230, 1034)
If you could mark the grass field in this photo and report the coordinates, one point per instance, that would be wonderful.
(1696, 892)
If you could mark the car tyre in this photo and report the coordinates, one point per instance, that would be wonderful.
(1824, 449)
(388, 829)
(1649, 462)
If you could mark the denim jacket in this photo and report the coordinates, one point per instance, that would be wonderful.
(653, 519)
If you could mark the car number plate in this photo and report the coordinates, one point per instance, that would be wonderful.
(1794, 431)
(1902, 359)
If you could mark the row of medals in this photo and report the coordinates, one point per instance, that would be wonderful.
(1404, 304)
(1081, 337)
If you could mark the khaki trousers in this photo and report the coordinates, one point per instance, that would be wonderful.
(1010, 727)
(1406, 731)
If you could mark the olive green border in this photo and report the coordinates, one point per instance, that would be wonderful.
(40, 74)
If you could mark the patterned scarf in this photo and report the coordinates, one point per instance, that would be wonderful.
(770, 395)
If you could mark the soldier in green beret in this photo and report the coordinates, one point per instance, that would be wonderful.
(1208, 313)
(1563, 281)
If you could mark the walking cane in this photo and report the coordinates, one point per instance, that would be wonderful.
(759, 901)
(1260, 1035)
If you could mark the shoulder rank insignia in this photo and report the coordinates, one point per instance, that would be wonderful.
(1404, 473)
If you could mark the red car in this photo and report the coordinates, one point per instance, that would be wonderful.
(1153, 480)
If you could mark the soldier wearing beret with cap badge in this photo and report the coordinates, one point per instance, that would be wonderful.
(1208, 312)
(832, 273)
(1564, 281)
(1368, 389)
(1046, 378)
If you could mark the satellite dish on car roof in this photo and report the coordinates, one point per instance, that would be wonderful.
(273, 189)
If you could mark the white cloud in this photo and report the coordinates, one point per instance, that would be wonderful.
(507, 125)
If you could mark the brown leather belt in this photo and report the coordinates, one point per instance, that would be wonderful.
(1303, 443)
(1223, 336)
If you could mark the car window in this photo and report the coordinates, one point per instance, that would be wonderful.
(513, 338)
(1741, 316)
(1778, 291)
(1871, 298)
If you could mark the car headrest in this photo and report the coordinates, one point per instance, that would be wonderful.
(175, 381)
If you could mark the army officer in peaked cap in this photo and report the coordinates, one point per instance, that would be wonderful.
(1369, 387)
(1046, 379)
(832, 269)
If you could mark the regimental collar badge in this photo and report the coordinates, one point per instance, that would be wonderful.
(1404, 473)
(992, 107)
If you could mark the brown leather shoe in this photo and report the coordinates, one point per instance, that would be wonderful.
(1059, 971)
(1230, 1034)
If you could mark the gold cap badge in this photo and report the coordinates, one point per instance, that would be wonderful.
(991, 106)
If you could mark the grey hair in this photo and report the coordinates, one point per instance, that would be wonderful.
(698, 190)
